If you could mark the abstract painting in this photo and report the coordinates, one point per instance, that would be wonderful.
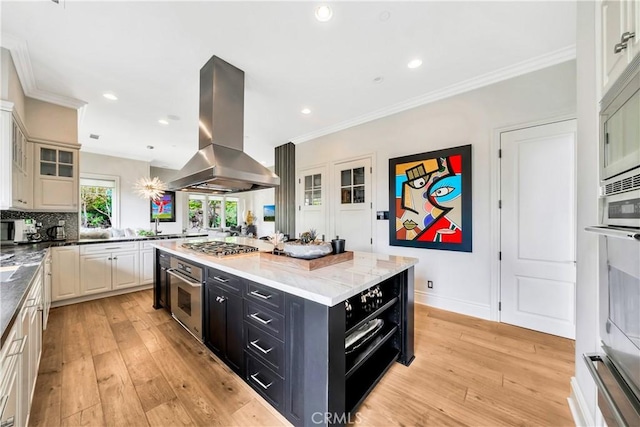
(164, 208)
(430, 200)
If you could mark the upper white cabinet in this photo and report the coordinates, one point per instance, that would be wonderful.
(16, 163)
(620, 38)
(56, 177)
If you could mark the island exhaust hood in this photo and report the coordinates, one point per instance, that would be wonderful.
(221, 166)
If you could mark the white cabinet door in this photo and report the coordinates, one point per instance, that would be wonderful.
(46, 290)
(618, 18)
(34, 302)
(56, 178)
(146, 266)
(124, 270)
(95, 273)
(23, 375)
(9, 379)
(65, 269)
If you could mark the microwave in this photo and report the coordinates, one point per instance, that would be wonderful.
(620, 125)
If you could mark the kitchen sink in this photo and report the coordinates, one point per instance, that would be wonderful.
(7, 272)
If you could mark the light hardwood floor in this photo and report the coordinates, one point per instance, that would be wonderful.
(119, 362)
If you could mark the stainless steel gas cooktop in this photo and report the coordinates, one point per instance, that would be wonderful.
(219, 248)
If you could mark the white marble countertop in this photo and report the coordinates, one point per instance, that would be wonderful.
(329, 285)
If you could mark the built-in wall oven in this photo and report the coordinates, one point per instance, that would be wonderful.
(185, 282)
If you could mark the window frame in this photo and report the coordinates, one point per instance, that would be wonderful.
(206, 198)
(115, 196)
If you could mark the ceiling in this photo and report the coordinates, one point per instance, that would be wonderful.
(149, 55)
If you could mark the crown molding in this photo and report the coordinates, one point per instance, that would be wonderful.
(543, 61)
(22, 61)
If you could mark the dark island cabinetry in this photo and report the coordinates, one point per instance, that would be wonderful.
(301, 355)
(222, 317)
(162, 294)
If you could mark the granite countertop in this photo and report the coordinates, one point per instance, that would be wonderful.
(329, 285)
(28, 258)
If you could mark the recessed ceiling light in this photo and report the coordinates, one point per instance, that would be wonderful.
(163, 122)
(94, 136)
(110, 96)
(323, 13)
(173, 117)
(415, 63)
(384, 16)
(306, 111)
(378, 80)
(150, 147)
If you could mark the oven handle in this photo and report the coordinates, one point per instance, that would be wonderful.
(589, 359)
(614, 232)
(177, 274)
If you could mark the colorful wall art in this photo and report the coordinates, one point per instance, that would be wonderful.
(430, 200)
(164, 208)
(269, 212)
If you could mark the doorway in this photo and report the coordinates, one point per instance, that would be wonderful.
(537, 228)
(352, 207)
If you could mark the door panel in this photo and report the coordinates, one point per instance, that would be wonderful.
(537, 228)
(125, 270)
(312, 188)
(95, 273)
(352, 204)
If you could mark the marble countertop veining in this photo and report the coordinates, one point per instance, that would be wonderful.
(329, 285)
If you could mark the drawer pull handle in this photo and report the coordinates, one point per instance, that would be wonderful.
(260, 319)
(220, 279)
(259, 295)
(263, 385)
(263, 350)
(117, 247)
(221, 299)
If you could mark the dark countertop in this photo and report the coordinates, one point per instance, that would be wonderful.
(29, 257)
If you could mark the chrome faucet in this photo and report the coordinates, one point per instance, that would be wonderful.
(155, 232)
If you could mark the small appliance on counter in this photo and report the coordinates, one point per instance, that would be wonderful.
(17, 230)
(56, 232)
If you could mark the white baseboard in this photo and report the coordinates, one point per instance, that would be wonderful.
(578, 406)
(452, 304)
(91, 297)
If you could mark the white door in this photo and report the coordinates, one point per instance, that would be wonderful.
(65, 272)
(537, 228)
(125, 270)
(313, 207)
(352, 206)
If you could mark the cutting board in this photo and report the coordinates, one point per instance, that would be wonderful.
(306, 264)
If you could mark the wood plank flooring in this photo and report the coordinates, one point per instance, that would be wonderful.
(119, 362)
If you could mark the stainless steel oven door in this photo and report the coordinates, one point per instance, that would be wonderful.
(186, 302)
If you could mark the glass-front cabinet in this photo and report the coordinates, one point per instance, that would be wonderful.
(56, 177)
(16, 162)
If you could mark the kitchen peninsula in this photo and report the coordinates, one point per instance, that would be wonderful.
(289, 332)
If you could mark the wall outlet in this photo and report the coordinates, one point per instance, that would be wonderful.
(61, 222)
(429, 284)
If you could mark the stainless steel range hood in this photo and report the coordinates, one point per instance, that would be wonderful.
(221, 166)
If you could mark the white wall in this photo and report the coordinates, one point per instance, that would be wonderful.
(587, 206)
(254, 201)
(134, 210)
(461, 280)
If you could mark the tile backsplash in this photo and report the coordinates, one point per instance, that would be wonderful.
(48, 219)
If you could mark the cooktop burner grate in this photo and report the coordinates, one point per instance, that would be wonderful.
(219, 249)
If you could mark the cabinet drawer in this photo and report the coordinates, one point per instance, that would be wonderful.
(265, 295)
(227, 281)
(108, 247)
(265, 348)
(264, 319)
(265, 382)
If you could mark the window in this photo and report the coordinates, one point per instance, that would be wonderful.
(98, 197)
(313, 190)
(352, 186)
(206, 211)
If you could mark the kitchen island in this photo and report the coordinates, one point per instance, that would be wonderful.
(284, 330)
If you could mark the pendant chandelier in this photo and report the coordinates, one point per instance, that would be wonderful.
(150, 188)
